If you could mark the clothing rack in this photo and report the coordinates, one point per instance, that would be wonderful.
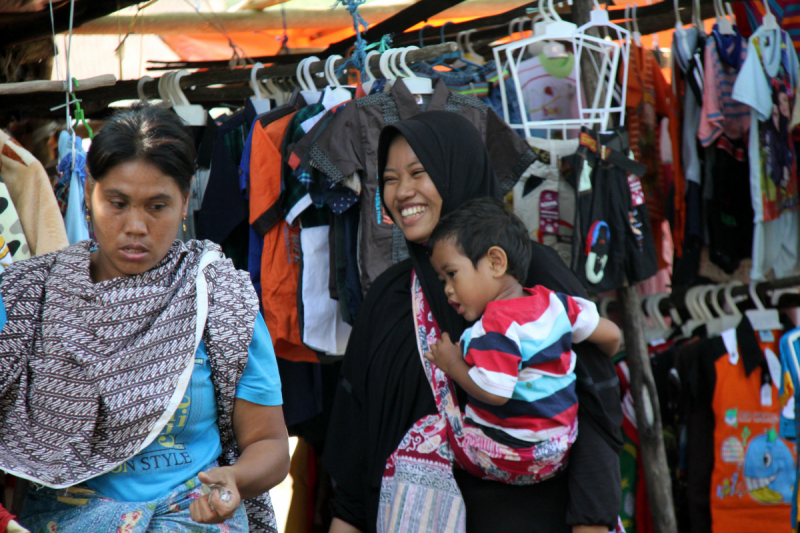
(95, 101)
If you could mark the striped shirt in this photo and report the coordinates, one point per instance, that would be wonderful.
(721, 113)
(521, 349)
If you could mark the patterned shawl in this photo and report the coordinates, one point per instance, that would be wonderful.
(89, 372)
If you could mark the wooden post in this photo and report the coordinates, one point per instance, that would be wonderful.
(645, 398)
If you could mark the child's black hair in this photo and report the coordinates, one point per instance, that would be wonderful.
(482, 223)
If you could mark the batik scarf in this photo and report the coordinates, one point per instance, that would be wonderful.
(90, 372)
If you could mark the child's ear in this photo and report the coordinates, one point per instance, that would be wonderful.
(498, 261)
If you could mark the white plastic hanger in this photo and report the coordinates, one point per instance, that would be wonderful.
(509, 56)
(310, 94)
(692, 305)
(192, 115)
(762, 318)
(723, 321)
(414, 83)
(660, 330)
(140, 87)
(723, 23)
(260, 103)
(341, 94)
(637, 37)
(769, 22)
(367, 85)
(680, 34)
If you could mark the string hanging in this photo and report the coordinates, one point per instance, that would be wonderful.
(360, 51)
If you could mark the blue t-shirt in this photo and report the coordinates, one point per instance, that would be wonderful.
(191, 440)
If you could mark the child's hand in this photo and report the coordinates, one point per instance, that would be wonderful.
(445, 354)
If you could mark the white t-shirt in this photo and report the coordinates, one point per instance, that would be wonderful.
(549, 89)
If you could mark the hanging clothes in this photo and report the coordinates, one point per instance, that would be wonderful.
(74, 219)
(32, 195)
(346, 144)
(281, 251)
(767, 83)
(724, 123)
(648, 100)
(549, 88)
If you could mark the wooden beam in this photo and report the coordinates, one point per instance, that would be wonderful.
(258, 5)
(94, 101)
(324, 18)
(42, 86)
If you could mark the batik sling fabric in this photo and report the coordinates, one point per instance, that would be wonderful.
(89, 372)
(419, 492)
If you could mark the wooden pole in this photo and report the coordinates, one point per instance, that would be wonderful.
(40, 86)
(643, 389)
(271, 20)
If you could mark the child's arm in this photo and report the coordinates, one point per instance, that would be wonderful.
(606, 336)
(447, 356)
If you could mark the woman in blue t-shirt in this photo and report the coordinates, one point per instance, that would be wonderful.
(138, 385)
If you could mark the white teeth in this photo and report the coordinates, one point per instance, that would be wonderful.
(411, 211)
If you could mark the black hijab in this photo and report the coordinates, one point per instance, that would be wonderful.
(454, 154)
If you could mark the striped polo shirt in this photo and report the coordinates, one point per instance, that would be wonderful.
(521, 349)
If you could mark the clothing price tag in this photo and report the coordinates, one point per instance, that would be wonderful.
(548, 213)
(585, 182)
(766, 395)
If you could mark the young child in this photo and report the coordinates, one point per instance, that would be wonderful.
(516, 362)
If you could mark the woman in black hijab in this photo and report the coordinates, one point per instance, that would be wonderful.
(428, 166)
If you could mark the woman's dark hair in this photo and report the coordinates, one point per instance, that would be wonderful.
(145, 132)
(482, 223)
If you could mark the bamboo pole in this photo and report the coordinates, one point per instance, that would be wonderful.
(41, 86)
(271, 20)
(95, 100)
(643, 389)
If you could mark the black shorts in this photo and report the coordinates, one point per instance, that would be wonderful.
(614, 241)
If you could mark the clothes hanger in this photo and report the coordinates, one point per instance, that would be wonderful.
(661, 330)
(341, 94)
(367, 85)
(697, 318)
(637, 37)
(414, 83)
(471, 53)
(762, 318)
(192, 115)
(680, 33)
(311, 95)
(383, 65)
(140, 88)
(609, 98)
(768, 22)
(723, 23)
(260, 103)
(723, 321)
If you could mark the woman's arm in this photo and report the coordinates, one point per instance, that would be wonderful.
(264, 462)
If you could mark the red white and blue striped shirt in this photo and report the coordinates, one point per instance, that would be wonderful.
(521, 349)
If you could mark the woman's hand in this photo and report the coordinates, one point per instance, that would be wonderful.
(444, 354)
(223, 501)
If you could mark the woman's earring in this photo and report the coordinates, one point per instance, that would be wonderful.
(184, 223)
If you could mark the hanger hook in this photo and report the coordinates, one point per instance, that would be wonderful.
(140, 87)
(751, 288)
(257, 93)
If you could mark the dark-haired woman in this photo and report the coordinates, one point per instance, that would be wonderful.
(389, 479)
(138, 386)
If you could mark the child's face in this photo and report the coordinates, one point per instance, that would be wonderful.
(468, 289)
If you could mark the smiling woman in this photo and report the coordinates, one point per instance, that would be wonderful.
(166, 410)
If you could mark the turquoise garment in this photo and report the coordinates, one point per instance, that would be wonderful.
(191, 439)
(79, 510)
(75, 219)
